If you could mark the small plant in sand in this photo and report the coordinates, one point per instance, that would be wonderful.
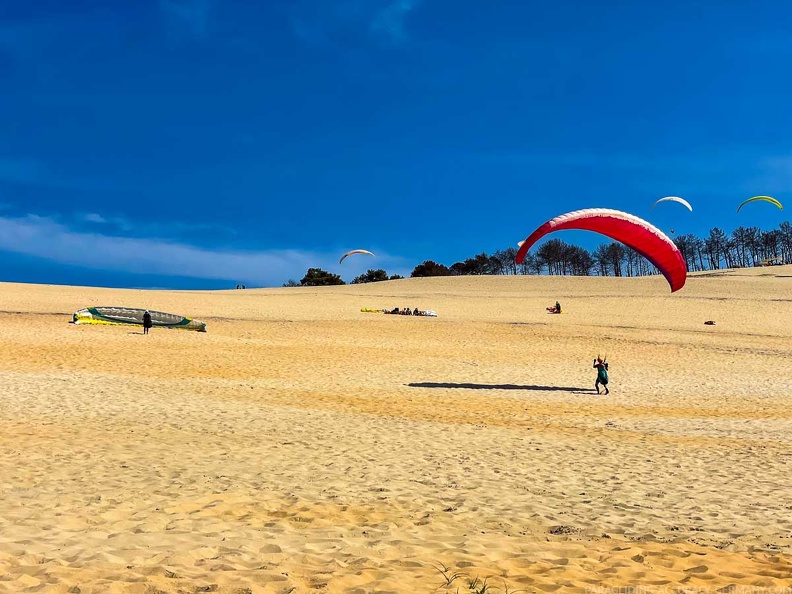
(475, 584)
(478, 586)
(449, 576)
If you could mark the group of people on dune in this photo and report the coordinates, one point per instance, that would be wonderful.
(405, 312)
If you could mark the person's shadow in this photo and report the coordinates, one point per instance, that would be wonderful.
(529, 387)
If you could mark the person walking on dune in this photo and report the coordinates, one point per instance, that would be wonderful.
(602, 375)
(147, 322)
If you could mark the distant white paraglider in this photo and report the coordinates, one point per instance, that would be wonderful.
(681, 201)
(349, 253)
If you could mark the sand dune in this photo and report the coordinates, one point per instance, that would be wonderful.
(301, 445)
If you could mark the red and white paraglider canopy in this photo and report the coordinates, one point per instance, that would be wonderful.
(643, 237)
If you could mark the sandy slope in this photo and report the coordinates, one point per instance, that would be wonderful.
(301, 445)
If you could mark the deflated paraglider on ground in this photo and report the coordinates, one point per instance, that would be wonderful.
(349, 253)
(643, 237)
(112, 315)
(769, 199)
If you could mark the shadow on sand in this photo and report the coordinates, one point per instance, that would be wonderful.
(535, 388)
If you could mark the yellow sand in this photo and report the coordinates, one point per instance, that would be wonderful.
(301, 445)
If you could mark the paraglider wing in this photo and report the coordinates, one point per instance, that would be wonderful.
(763, 199)
(633, 232)
(112, 315)
(682, 201)
(349, 253)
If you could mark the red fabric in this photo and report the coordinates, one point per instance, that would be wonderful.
(633, 232)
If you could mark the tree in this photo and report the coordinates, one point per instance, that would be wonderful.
(581, 262)
(291, 283)
(740, 243)
(430, 268)
(550, 253)
(616, 254)
(601, 259)
(506, 261)
(370, 276)
(771, 243)
(396, 277)
(690, 247)
(316, 277)
(479, 264)
(715, 248)
(457, 269)
(786, 241)
(531, 264)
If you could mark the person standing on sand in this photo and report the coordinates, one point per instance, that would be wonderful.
(602, 375)
(146, 322)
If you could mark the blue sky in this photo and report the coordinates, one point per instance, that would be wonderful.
(201, 143)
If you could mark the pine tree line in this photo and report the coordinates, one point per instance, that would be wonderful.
(744, 247)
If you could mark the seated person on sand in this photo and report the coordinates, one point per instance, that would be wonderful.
(558, 307)
(416, 312)
(395, 310)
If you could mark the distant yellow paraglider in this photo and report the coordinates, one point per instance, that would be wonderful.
(769, 199)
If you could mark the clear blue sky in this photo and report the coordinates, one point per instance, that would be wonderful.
(201, 143)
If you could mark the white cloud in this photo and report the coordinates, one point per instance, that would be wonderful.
(159, 229)
(93, 217)
(46, 238)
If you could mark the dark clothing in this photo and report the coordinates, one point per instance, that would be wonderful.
(147, 322)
